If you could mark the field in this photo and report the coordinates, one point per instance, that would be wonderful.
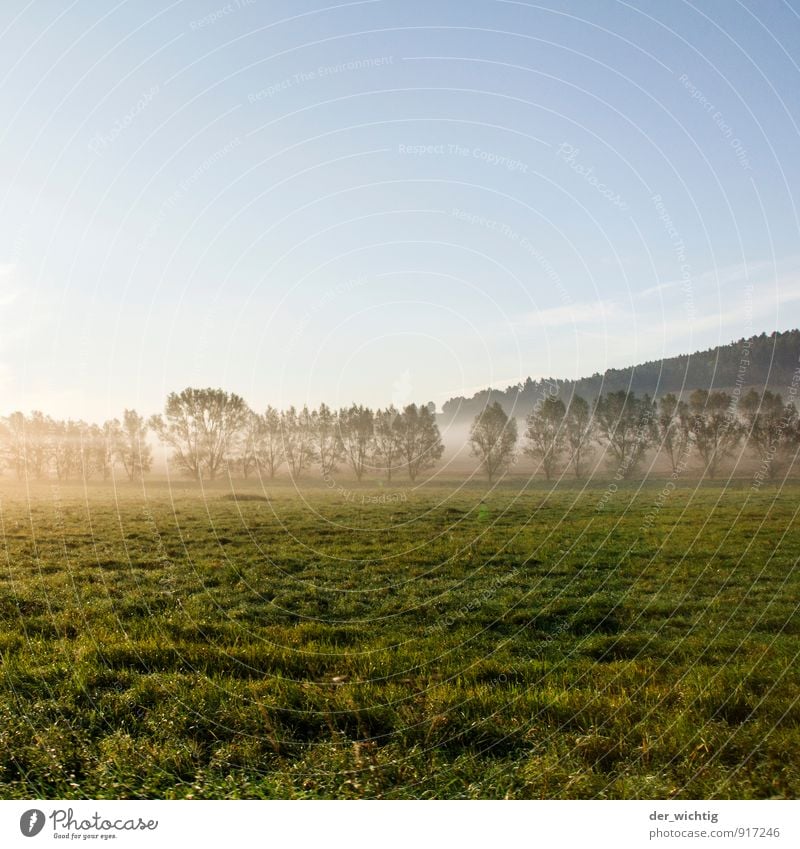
(179, 643)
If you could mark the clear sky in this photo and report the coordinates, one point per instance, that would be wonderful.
(386, 200)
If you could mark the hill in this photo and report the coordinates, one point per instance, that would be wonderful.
(768, 360)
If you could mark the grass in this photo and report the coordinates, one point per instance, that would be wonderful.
(458, 643)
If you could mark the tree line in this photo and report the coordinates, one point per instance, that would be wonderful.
(211, 432)
(764, 361)
(710, 426)
(38, 446)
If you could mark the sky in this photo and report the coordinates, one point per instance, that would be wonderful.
(384, 201)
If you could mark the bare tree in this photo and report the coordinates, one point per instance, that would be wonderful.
(248, 442)
(493, 439)
(201, 426)
(357, 430)
(580, 433)
(105, 442)
(715, 430)
(28, 444)
(387, 440)
(131, 447)
(772, 430)
(37, 444)
(64, 443)
(674, 429)
(14, 444)
(546, 433)
(297, 434)
(269, 442)
(627, 423)
(420, 441)
(87, 449)
(329, 448)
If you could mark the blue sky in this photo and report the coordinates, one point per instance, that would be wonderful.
(386, 201)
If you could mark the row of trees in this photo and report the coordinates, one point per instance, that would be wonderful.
(38, 446)
(710, 425)
(211, 431)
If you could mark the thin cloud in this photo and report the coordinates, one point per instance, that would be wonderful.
(752, 272)
(569, 314)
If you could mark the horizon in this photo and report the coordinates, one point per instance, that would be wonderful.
(439, 411)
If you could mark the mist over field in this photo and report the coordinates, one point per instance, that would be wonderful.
(533, 429)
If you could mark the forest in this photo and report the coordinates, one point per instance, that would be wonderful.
(766, 361)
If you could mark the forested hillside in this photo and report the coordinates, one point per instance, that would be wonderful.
(768, 360)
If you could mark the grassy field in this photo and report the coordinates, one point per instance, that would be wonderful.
(520, 644)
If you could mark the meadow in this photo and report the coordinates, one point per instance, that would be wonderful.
(440, 641)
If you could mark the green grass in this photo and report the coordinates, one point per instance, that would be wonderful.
(516, 644)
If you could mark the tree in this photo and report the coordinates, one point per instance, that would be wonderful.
(419, 439)
(329, 448)
(493, 439)
(201, 426)
(269, 442)
(87, 449)
(64, 443)
(715, 430)
(105, 444)
(357, 430)
(627, 423)
(388, 447)
(14, 444)
(546, 433)
(674, 429)
(247, 443)
(579, 426)
(772, 430)
(38, 456)
(131, 447)
(297, 436)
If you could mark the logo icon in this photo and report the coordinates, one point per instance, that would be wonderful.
(31, 822)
